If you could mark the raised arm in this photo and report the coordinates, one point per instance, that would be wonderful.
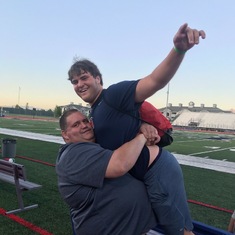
(124, 158)
(184, 40)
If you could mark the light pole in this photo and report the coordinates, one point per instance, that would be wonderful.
(167, 100)
(167, 97)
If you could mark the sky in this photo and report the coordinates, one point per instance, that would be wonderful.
(126, 39)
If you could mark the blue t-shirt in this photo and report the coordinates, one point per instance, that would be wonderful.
(113, 126)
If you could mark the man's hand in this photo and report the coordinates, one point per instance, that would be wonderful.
(186, 37)
(150, 133)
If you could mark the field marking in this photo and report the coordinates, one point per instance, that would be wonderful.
(211, 147)
(34, 136)
(206, 163)
(25, 223)
(210, 151)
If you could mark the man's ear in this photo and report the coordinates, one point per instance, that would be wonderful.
(64, 135)
(98, 78)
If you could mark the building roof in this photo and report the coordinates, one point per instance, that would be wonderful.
(192, 108)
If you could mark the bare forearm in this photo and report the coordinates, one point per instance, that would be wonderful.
(184, 40)
(160, 76)
(124, 158)
(167, 69)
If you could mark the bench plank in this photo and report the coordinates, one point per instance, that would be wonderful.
(23, 183)
(15, 174)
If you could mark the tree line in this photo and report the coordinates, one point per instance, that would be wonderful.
(17, 110)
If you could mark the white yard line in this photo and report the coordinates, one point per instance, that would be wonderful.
(211, 164)
(31, 135)
(210, 151)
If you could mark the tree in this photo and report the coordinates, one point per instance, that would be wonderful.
(34, 112)
(57, 111)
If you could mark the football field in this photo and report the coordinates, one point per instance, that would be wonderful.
(210, 192)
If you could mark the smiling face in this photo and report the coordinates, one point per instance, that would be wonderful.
(87, 86)
(78, 129)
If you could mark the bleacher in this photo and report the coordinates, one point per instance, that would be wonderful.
(206, 120)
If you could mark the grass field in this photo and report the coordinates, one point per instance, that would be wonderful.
(210, 187)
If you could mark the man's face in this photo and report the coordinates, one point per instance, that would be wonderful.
(87, 87)
(78, 129)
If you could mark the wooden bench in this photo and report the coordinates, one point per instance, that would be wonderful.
(15, 174)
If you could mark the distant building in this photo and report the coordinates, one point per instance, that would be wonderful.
(84, 109)
(206, 121)
(200, 117)
(171, 112)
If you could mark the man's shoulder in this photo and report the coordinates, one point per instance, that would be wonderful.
(72, 148)
(121, 90)
(78, 152)
(121, 84)
(83, 145)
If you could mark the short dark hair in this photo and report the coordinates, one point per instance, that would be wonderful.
(63, 118)
(84, 65)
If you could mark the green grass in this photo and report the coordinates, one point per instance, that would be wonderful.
(44, 126)
(204, 144)
(52, 214)
(207, 186)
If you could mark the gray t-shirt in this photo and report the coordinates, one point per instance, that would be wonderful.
(98, 205)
